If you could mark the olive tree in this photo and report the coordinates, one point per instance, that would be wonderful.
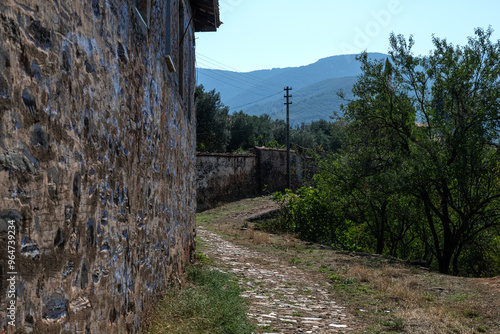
(432, 124)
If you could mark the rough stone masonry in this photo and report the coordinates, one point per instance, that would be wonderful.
(97, 159)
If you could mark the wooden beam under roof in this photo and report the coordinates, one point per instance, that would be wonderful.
(206, 15)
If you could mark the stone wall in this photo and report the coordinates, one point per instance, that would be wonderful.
(222, 178)
(97, 160)
(272, 168)
(225, 177)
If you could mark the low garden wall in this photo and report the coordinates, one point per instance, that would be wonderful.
(227, 177)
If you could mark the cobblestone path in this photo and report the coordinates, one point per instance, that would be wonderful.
(283, 298)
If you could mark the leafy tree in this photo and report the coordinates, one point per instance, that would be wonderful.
(419, 174)
(278, 127)
(248, 131)
(366, 194)
(217, 131)
(434, 122)
(322, 135)
(242, 131)
(212, 125)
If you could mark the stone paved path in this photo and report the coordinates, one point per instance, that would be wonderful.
(282, 298)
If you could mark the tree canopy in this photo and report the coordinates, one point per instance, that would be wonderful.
(212, 122)
(218, 131)
(420, 172)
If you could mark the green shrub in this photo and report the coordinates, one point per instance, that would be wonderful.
(313, 217)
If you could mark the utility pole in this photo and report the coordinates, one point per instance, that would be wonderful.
(288, 102)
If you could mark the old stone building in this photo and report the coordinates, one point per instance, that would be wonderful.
(97, 159)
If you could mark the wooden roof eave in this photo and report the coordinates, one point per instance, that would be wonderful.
(206, 15)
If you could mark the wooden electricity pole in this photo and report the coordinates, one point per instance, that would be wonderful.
(288, 102)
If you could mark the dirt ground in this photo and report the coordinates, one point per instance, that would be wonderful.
(298, 287)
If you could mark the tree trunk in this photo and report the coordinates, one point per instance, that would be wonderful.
(456, 256)
(382, 227)
(444, 262)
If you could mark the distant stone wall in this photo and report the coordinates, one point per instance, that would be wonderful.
(222, 178)
(225, 177)
(272, 169)
(97, 161)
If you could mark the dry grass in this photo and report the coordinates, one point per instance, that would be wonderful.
(421, 301)
(384, 295)
(258, 237)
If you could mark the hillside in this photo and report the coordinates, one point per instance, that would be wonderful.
(311, 103)
(314, 94)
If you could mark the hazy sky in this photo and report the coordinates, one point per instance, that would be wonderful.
(263, 34)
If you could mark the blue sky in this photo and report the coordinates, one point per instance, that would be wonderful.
(263, 34)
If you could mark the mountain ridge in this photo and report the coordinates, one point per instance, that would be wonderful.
(314, 94)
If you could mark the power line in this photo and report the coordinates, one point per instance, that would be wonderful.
(236, 84)
(238, 77)
(222, 74)
(218, 62)
(230, 76)
(243, 105)
(249, 75)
